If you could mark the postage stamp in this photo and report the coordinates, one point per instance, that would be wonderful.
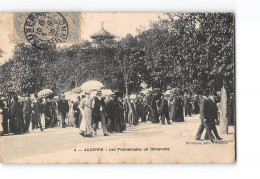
(46, 27)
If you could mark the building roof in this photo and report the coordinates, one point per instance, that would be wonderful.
(102, 34)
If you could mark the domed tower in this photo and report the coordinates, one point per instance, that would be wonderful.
(102, 37)
(103, 56)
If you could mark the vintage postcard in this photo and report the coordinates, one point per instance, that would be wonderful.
(117, 88)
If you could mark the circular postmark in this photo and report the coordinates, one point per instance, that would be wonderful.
(45, 28)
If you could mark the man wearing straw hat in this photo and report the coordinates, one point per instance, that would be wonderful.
(99, 112)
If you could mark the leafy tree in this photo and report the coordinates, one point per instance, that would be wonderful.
(190, 50)
(23, 72)
(193, 51)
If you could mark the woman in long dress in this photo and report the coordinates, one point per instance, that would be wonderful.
(48, 113)
(36, 114)
(177, 110)
(14, 115)
(172, 108)
(54, 119)
(154, 111)
(120, 124)
(70, 115)
(43, 106)
(85, 107)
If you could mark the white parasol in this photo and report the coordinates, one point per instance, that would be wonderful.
(91, 85)
(132, 96)
(76, 90)
(92, 94)
(44, 93)
(71, 96)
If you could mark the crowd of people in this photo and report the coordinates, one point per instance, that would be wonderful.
(114, 112)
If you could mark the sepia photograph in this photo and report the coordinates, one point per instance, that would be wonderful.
(117, 88)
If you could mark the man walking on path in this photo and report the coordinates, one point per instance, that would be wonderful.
(165, 111)
(213, 117)
(205, 119)
(27, 113)
(99, 112)
(63, 109)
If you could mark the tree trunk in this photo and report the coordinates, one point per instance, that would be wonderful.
(223, 112)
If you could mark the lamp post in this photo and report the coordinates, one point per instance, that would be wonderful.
(126, 77)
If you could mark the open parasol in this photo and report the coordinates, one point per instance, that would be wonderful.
(91, 85)
(71, 96)
(76, 90)
(92, 94)
(133, 96)
(45, 93)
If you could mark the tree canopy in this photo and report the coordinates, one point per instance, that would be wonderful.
(193, 51)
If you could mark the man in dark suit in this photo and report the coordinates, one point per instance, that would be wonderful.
(165, 111)
(99, 112)
(76, 112)
(213, 116)
(111, 112)
(5, 115)
(196, 104)
(63, 109)
(187, 104)
(205, 118)
(27, 113)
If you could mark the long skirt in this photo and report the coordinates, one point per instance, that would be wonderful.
(85, 125)
(176, 114)
(70, 118)
(1, 122)
(172, 113)
(130, 117)
(42, 118)
(196, 108)
(154, 116)
(36, 121)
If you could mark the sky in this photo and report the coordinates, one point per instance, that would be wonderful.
(118, 24)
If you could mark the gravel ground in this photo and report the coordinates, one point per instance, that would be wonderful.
(144, 143)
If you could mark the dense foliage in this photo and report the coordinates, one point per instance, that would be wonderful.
(193, 51)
